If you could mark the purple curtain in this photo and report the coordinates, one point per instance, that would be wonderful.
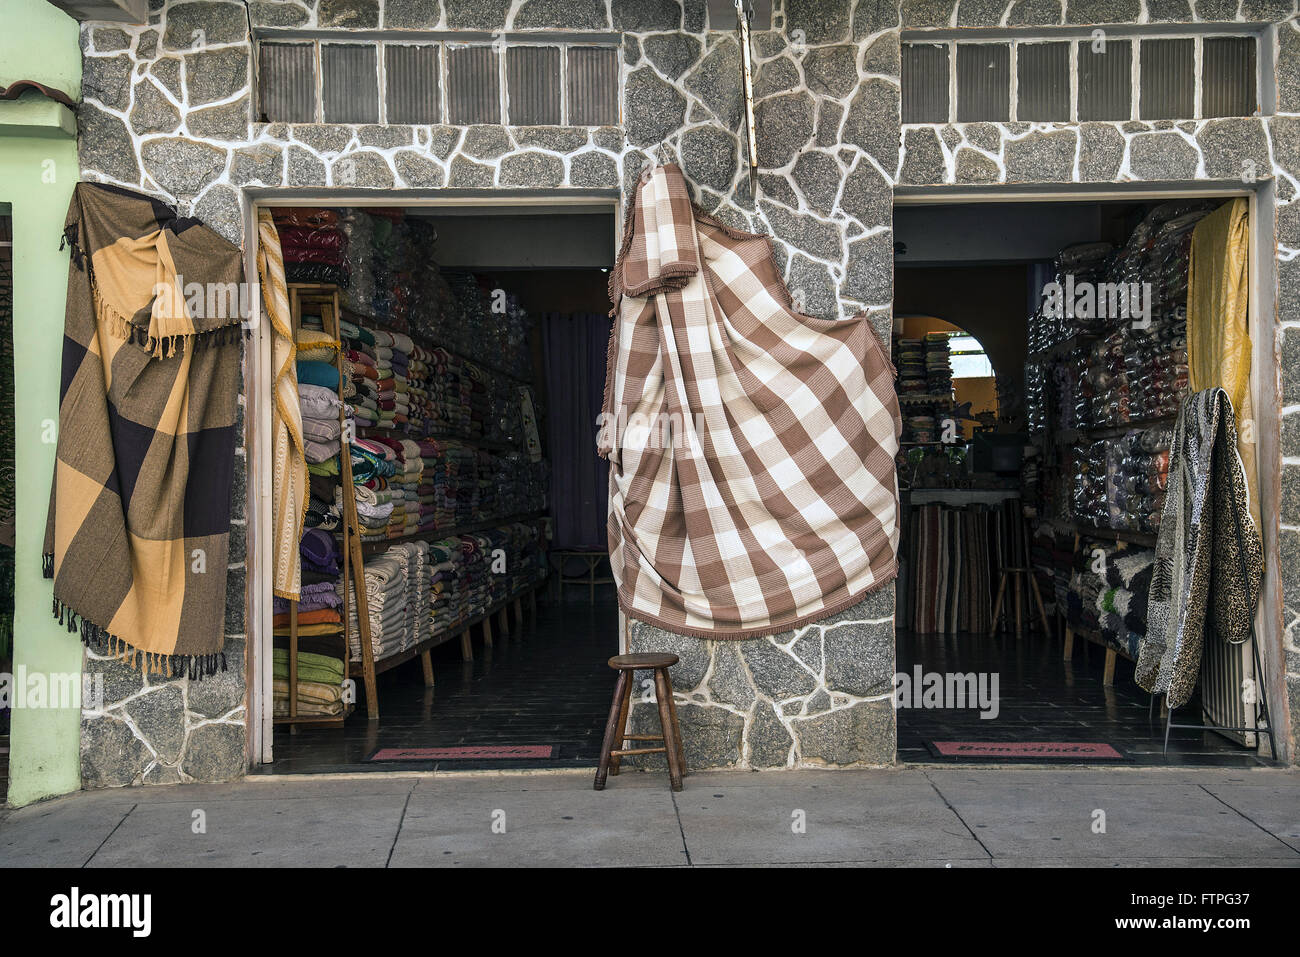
(575, 347)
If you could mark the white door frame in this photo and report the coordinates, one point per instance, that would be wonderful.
(257, 398)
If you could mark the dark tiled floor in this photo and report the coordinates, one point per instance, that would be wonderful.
(549, 685)
(546, 684)
(1043, 698)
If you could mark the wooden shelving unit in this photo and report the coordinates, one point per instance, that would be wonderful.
(325, 298)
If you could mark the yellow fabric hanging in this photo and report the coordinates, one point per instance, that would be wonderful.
(289, 489)
(1218, 329)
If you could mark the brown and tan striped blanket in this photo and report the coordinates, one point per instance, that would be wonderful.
(139, 520)
(751, 448)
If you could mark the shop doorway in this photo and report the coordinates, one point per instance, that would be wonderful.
(472, 338)
(1065, 479)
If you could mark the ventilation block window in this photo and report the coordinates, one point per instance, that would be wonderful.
(925, 83)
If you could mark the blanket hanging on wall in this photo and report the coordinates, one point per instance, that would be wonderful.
(139, 521)
(1209, 557)
(751, 448)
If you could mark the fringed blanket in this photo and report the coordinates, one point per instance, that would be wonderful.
(139, 517)
(289, 495)
(751, 448)
(1209, 557)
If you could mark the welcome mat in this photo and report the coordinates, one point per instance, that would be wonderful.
(470, 753)
(1026, 750)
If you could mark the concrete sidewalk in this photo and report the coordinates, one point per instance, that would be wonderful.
(937, 816)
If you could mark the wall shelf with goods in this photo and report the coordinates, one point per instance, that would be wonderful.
(1102, 398)
(419, 525)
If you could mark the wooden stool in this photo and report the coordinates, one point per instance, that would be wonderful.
(1018, 574)
(616, 728)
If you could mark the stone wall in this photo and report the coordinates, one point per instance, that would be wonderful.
(1231, 150)
(174, 119)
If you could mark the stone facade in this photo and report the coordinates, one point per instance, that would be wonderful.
(170, 114)
(821, 695)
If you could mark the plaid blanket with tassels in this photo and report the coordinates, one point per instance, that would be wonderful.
(139, 521)
(751, 448)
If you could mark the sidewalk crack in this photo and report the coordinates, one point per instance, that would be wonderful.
(681, 828)
(86, 862)
(1246, 817)
(400, 821)
(957, 814)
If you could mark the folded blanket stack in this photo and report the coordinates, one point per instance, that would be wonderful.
(386, 590)
(320, 683)
(1108, 592)
(447, 606)
(470, 574)
(314, 245)
(417, 591)
(318, 608)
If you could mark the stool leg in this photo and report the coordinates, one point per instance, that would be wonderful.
(602, 769)
(664, 694)
(997, 604)
(677, 728)
(621, 731)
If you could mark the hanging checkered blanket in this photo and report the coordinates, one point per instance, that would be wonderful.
(139, 520)
(751, 448)
(1209, 557)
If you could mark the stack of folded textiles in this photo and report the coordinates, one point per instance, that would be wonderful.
(373, 465)
(386, 590)
(313, 244)
(476, 580)
(320, 684)
(358, 226)
(359, 351)
(447, 606)
(322, 425)
(393, 351)
(417, 591)
(317, 611)
(322, 434)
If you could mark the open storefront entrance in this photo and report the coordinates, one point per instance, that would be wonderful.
(458, 351)
(1038, 438)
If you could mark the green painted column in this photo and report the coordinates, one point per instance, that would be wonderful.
(38, 169)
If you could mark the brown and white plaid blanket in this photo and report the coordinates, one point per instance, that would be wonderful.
(751, 448)
(139, 521)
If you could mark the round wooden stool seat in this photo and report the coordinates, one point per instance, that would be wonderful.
(637, 662)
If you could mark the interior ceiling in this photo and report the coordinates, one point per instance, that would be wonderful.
(1023, 232)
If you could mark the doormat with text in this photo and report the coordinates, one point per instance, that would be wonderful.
(1026, 750)
(468, 753)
